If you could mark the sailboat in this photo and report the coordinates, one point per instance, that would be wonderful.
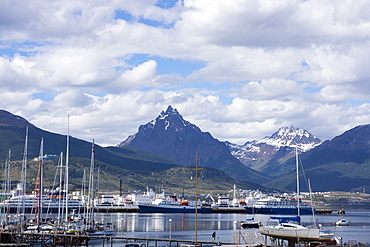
(39, 203)
(6, 190)
(290, 228)
(93, 228)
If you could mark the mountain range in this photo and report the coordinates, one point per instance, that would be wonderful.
(259, 154)
(163, 151)
(270, 160)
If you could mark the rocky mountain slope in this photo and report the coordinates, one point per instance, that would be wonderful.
(258, 154)
(342, 163)
(172, 136)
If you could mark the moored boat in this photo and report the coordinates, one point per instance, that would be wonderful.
(99, 230)
(171, 204)
(250, 223)
(342, 222)
(280, 206)
(48, 204)
(112, 203)
(290, 228)
(93, 228)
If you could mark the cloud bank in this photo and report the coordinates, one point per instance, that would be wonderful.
(239, 69)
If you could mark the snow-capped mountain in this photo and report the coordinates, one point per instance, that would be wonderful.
(257, 153)
(292, 137)
(344, 158)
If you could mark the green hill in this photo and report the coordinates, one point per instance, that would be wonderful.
(107, 178)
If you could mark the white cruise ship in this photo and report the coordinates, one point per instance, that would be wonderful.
(30, 204)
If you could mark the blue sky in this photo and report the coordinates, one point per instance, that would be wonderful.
(239, 70)
(168, 65)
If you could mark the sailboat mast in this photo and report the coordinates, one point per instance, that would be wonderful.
(83, 192)
(196, 198)
(8, 183)
(234, 199)
(91, 186)
(39, 181)
(60, 186)
(24, 166)
(313, 210)
(8, 172)
(298, 192)
(4, 217)
(66, 171)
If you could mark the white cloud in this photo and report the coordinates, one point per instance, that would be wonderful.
(273, 88)
(266, 64)
(141, 76)
(18, 74)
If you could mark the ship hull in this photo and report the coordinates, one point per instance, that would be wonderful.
(45, 210)
(291, 234)
(171, 209)
(278, 211)
(118, 209)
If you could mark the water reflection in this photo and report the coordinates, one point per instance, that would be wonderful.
(182, 226)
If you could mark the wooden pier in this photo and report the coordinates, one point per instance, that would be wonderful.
(20, 240)
(48, 239)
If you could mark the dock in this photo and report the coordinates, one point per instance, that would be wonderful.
(118, 209)
(323, 211)
(221, 210)
(52, 239)
(229, 210)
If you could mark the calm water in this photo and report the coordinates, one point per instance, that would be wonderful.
(226, 226)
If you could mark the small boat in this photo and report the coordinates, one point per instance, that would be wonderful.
(290, 228)
(250, 223)
(100, 230)
(342, 222)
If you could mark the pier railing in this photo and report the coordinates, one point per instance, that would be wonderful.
(49, 239)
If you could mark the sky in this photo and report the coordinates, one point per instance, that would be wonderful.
(239, 69)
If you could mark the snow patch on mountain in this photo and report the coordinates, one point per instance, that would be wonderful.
(265, 148)
(292, 137)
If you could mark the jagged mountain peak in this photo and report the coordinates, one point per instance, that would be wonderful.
(169, 111)
(169, 120)
(292, 136)
(172, 136)
(291, 132)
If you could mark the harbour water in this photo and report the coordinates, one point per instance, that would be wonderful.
(225, 226)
